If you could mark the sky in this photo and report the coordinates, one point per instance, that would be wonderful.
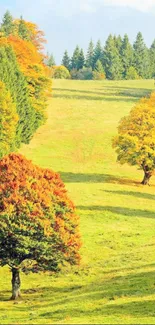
(67, 23)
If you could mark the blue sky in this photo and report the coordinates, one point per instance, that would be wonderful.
(68, 22)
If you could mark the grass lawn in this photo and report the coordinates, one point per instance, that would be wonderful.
(115, 283)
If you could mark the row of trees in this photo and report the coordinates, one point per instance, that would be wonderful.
(38, 224)
(118, 59)
(24, 79)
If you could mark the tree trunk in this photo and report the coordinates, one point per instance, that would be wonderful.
(146, 179)
(15, 284)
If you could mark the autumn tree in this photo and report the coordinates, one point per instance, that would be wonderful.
(38, 225)
(135, 142)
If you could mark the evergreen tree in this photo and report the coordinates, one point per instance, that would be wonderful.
(141, 57)
(51, 61)
(99, 67)
(66, 60)
(75, 58)
(23, 31)
(98, 53)
(90, 55)
(126, 52)
(16, 83)
(7, 26)
(152, 59)
(81, 60)
(118, 42)
(112, 61)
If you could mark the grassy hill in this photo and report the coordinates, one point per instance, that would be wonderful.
(115, 283)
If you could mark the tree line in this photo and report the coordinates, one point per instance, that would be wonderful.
(118, 59)
(38, 224)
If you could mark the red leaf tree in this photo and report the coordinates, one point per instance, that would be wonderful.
(39, 229)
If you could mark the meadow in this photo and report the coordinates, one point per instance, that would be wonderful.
(115, 283)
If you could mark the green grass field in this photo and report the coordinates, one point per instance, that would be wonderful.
(115, 283)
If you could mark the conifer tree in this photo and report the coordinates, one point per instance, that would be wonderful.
(99, 67)
(98, 53)
(90, 55)
(7, 26)
(81, 60)
(152, 59)
(51, 61)
(16, 83)
(141, 57)
(23, 31)
(126, 52)
(75, 58)
(112, 61)
(66, 60)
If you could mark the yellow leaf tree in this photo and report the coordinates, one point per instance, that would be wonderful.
(135, 142)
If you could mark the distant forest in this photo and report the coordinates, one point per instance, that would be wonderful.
(117, 60)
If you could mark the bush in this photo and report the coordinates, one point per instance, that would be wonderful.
(60, 72)
(82, 74)
(132, 74)
(38, 224)
(98, 75)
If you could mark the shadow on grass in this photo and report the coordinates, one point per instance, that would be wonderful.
(120, 211)
(122, 91)
(104, 295)
(113, 98)
(135, 194)
(95, 178)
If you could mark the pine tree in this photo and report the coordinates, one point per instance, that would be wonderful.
(141, 57)
(51, 61)
(75, 58)
(81, 60)
(112, 61)
(126, 52)
(16, 83)
(152, 59)
(99, 67)
(23, 31)
(118, 42)
(90, 55)
(7, 26)
(66, 60)
(98, 53)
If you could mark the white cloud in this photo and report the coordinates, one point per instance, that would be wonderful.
(142, 5)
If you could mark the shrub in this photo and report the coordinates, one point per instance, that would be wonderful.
(38, 224)
(132, 74)
(60, 72)
(83, 74)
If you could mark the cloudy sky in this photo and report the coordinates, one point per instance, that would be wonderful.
(68, 22)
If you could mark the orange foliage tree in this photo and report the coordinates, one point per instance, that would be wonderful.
(38, 224)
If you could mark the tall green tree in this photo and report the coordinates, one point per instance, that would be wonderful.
(126, 52)
(51, 61)
(98, 53)
(112, 62)
(141, 57)
(90, 55)
(81, 60)
(75, 58)
(99, 67)
(23, 31)
(7, 26)
(118, 42)
(66, 60)
(152, 59)
(17, 85)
